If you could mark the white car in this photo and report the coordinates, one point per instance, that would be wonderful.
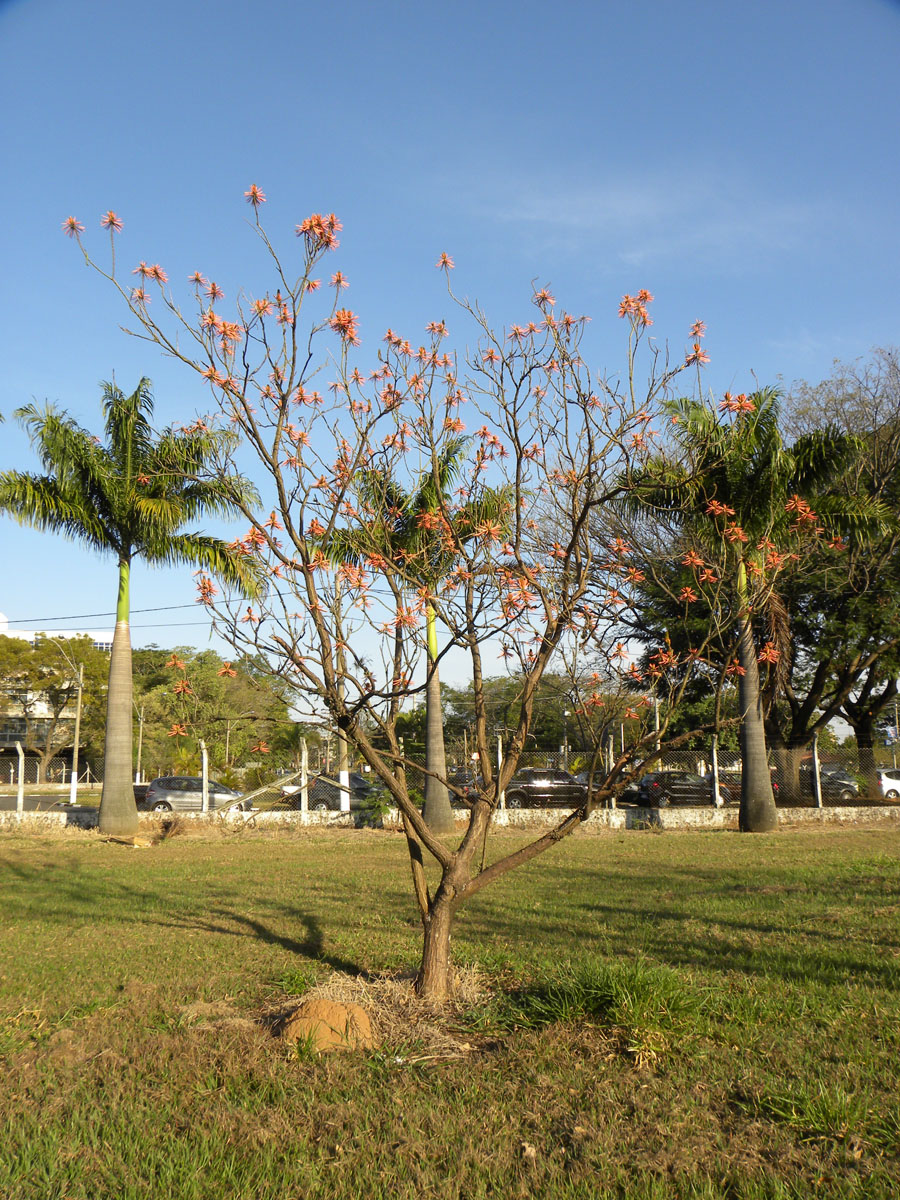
(889, 779)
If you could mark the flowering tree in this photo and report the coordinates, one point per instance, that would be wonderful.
(525, 580)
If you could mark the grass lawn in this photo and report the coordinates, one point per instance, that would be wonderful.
(669, 1015)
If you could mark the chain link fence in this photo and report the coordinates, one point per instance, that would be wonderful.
(801, 776)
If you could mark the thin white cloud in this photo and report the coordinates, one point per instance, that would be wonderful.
(660, 217)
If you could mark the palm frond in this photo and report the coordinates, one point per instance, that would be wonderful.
(211, 554)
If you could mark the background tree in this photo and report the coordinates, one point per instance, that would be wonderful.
(412, 529)
(848, 631)
(184, 695)
(129, 498)
(39, 684)
(742, 502)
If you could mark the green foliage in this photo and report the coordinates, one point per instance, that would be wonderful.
(231, 706)
(40, 684)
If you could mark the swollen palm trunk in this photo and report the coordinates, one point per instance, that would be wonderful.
(118, 812)
(758, 813)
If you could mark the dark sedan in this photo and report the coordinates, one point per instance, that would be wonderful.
(662, 788)
(544, 787)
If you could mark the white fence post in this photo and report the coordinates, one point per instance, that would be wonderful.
(499, 768)
(20, 789)
(817, 774)
(204, 777)
(717, 795)
(304, 782)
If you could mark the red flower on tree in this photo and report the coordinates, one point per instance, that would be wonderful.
(344, 322)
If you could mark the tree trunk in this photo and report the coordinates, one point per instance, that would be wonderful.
(864, 732)
(118, 812)
(757, 814)
(788, 760)
(433, 980)
(438, 812)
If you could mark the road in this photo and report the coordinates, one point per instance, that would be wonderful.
(33, 803)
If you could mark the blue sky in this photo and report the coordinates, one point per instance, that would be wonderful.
(739, 161)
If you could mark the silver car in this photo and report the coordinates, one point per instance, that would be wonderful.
(184, 793)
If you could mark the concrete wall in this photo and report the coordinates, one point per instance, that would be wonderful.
(520, 818)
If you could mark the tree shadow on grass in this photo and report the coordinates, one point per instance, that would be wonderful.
(65, 898)
(229, 923)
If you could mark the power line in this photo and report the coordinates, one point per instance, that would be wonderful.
(89, 616)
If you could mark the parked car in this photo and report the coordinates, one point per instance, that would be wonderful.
(544, 787)
(889, 781)
(325, 793)
(184, 793)
(837, 784)
(662, 788)
(625, 793)
(730, 786)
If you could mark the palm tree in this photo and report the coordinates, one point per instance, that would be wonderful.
(417, 532)
(738, 491)
(129, 497)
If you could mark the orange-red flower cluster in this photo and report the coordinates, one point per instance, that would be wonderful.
(206, 589)
(736, 404)
(635, 307)
(320, 231)
(344, 322)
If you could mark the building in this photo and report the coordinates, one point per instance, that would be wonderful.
(13, 723)
(102, 639)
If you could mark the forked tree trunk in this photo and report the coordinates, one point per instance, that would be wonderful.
(118, 811)
(758, 813)
(438, 812)
(433, 980)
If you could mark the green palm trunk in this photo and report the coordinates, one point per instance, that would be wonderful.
(118, 811)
